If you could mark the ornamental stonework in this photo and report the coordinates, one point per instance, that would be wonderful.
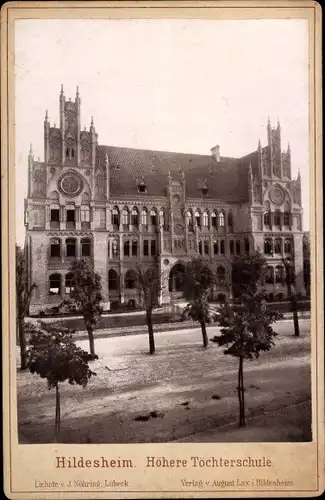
(276, 195)
(70, 184)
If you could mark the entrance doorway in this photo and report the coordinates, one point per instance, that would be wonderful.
(176, 278)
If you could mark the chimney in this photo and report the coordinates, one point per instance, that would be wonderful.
(215, 151)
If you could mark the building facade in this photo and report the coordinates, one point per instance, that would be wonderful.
(120, 207)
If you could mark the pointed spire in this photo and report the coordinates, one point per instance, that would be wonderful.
(77, 93)
(54, 124)
(259, 146)
(30, 149)
(61, 89)
(46, 116)
(106, 159)
(92, 121)
(268, 122)
(299, 175)
(289, 148)
(278, 124)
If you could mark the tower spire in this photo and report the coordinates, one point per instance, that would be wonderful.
(30, 149)
(61, 89)
(77, 93)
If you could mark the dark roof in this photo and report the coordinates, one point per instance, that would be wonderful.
(226, 180)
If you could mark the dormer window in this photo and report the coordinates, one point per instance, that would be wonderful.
(204, 190)
(142, 188)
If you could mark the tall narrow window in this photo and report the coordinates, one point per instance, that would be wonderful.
(200, 248)
(115, 217)
(55, 284)
(85, 214)
(268, 246)
(134, 248)
(198, 219)
(125, 217)
(145, 248)
(267, 219)
(214, 219)
(55, 249)
(286, 218)
(162, 216)
(277, 218)
(153, 249)
(69, 283)
(127, 248)
(144, 217)
(130, 279)
(135, 217)
(230, 220)
(287, 246)
(238, 247)
(231, 247)
(278, 246)
(55, 215)
(114, 248)
(279, 274)
(71, 215)
(113, 280)
(205, 219)
(206, 247)
(221, 219)
(189, 217)
(85, 247)
(222, 247)
(215, 248)
(221, 274)
(153, 217)
(71, 247)
(246, 245)
(72, 153)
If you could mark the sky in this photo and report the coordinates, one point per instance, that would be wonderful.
(174, 85)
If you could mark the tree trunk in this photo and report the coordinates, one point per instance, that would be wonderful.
(152, 348)
(57, 413)
(91, 340)
(204, 335)
(22, 343)
(294, 311)
(240, 390)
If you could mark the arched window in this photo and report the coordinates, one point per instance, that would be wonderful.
(115, 217)
(55, 284)
(269, 275)
(200, 247)
(85, 198)
(68, 283)
(71, 247)
(215, 248)
(238, 247)
(67, 153)
(153, 217)
(144, 217)
(113, 280)
(221, 219)
(134, 248)
(206, 247)
(205, 219)
(125, 217)
(130, 279)
(221, 274)
(55, 248)
(279, 274)
(189, 217)
(198, 218)
(126, 248)
(213, 219)
(278, 245)
(277, 218)
(267, 219)
(85, 247)
(288, 246)
(135, 217)
(231, 247)
(268, 247)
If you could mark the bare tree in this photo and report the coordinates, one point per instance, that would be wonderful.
(149, 285)
(290, 281)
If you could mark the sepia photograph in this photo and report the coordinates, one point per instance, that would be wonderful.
(162, 231)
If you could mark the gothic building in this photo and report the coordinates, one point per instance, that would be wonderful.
(122, 206)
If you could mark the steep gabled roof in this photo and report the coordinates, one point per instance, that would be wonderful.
(226, 180)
